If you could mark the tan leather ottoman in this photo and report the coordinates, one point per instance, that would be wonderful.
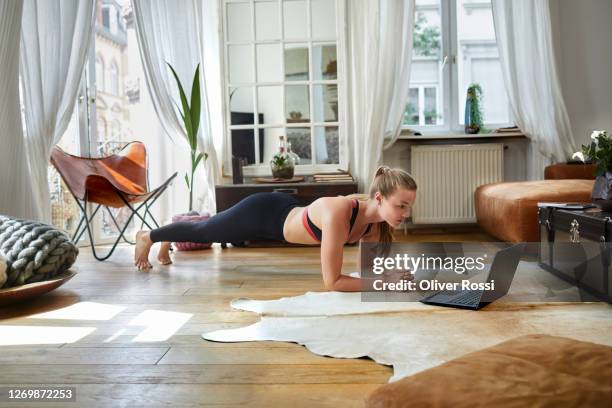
(530, 371)
(509, 210)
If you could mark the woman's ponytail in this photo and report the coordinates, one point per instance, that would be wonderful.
(386, 181)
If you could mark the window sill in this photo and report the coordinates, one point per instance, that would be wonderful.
(453, 135)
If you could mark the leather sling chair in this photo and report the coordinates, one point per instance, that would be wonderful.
(111, 182)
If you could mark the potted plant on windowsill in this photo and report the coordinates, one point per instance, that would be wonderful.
(599, 151)
(473, 110)
(190, 113)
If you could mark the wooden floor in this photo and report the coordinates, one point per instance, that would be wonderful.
(129, 338)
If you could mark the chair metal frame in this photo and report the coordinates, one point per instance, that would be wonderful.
(135, 211)
(136, 208)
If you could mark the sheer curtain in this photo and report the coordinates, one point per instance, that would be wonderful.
(16, 192)
(172, 32)
(524, 37)
(55, 40)
(379, 45)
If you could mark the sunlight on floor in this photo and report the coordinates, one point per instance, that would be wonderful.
(82, 311)
(158, 325)
(28, 335)
(161, 325)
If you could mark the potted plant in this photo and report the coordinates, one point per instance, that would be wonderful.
(473, 109)
(190, 113)
(282, 163)
(599, 151)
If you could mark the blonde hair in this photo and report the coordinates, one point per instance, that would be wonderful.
(386, 181)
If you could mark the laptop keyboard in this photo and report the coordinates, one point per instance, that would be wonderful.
(468, 297)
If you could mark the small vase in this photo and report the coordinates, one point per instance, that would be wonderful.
(471, 128)
(191, 217)
(602, 192)
(283, 172)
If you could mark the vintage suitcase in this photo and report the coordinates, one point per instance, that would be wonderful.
(575, 245)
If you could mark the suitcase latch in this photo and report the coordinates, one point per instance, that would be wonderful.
(574, 233)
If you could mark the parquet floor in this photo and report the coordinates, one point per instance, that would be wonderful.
(126, 338)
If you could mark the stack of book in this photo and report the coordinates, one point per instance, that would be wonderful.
(511, 129)
(332, 177)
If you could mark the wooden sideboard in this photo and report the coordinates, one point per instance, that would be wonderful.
(306, 191)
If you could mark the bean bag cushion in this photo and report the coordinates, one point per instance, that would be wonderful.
(32, 251)
(529, 371)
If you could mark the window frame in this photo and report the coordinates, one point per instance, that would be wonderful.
(263, 169)
(449, 77)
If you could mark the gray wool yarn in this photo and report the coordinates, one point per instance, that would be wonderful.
(34, 251)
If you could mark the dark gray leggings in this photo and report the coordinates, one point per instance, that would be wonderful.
(260, 216)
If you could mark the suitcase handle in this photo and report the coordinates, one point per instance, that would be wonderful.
(286, 190)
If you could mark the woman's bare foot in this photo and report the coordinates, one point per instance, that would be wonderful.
(163, 256)
(141, 253)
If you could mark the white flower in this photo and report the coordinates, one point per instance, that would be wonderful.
(596, 134)
(579, 156)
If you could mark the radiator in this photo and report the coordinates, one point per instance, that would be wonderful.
(447, 177)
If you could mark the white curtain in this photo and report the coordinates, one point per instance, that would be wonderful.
(16, 192)
(379, 45)
(172, 32)
(525, 41)
(55, 40)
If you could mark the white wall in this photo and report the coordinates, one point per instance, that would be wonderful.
(584, 35)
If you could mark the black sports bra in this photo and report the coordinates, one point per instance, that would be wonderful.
(316, 233)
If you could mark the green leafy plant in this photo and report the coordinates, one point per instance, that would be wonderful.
(190, 112)
(426, 41)
(599, 151)
(411, 115)
(279, 161)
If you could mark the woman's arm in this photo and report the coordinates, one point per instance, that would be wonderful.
(335, 232)
(372, 237)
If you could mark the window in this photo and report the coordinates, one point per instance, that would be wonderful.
(99, 73)
(282, 78)
(104, 122)
(113, 74)
(106, 17)
(454, 46)
(101, 129)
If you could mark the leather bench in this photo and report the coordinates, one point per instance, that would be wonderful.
(509, 210)
(535, 370)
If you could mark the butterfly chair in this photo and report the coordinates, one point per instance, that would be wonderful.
(119, 180)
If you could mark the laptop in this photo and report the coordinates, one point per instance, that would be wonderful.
(502, 272)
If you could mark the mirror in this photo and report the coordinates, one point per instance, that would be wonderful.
(325, 103)
(324, 62)
(282, 75)
(243, 144)
(299, 137)
(326, 145)
(240, 64)
(239, 26)
(323, 19)
(269, 68)
(270, 104)
(294, 20)
(296, 62)
(241, 101)
(297, 105)
(267, 20)
(271, 142)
